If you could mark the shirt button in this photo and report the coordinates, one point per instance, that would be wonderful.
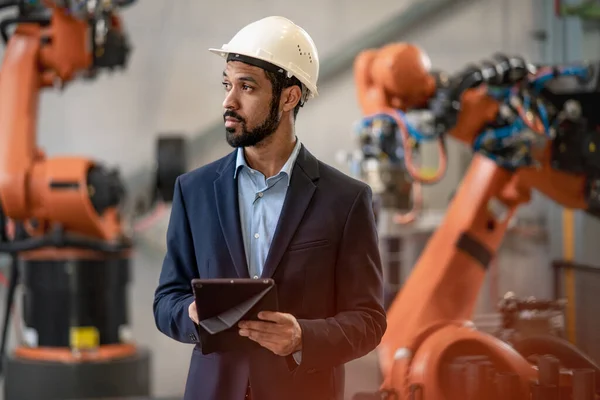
(256, 235)
(260, 194)
(255, 277)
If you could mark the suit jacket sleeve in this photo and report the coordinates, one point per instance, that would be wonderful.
(360, 321)
(174, 292)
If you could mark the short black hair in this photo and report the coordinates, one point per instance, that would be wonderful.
(280, 81)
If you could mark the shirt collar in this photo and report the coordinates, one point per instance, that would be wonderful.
(287, 168)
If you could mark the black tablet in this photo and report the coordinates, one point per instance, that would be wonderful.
(222, 303)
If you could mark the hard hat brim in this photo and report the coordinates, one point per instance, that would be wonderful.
(219, 52)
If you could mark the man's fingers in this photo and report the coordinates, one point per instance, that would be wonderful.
(260, 326)
(260, 336)
(271, 322)
(273, 316)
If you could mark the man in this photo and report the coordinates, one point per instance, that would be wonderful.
(270, 209)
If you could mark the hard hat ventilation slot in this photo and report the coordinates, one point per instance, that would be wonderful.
(304, 54)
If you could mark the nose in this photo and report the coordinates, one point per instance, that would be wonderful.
(231, 101)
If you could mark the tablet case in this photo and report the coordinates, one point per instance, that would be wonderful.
(222, 303)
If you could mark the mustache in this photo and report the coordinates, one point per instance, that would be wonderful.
(233, 114)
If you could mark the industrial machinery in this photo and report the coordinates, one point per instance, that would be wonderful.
(531, 128)
(530, 317)
(388, 154)
(68, 245)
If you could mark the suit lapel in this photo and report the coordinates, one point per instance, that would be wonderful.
(298, 197)
(226, 193)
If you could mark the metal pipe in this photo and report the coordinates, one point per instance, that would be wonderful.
(508, 386)
(392, 263)
(584, 384)
(535, 391)
(549, 370)
(568, 222)
(475, 381)
(543, 392)
(549, 377)
(487, 374)
(455, 377)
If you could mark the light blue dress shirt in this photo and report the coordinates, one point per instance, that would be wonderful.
(260, 201)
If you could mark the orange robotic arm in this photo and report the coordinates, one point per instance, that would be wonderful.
(68, 250)
(428, 322)
(51, 46)
(396, 78)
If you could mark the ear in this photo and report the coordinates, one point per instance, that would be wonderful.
(291, 97)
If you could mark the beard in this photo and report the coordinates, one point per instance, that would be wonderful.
(249, 138)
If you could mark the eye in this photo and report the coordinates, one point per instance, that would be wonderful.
(226, 85)
(246, 87)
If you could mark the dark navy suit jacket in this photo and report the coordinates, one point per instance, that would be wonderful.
(324, 259)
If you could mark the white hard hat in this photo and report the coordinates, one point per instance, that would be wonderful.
(280, 42)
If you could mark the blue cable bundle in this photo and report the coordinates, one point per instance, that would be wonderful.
(375, 148)
(417, 135)
(540, 81)
(511, 145)
(398, 152)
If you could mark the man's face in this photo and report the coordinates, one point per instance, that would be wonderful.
(251, 112)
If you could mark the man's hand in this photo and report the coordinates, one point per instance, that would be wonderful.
(193, 313)
(280, 332)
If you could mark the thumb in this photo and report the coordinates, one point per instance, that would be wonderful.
(193, 314)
